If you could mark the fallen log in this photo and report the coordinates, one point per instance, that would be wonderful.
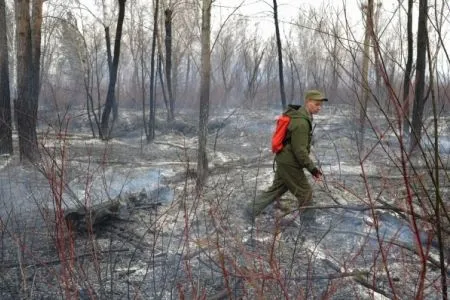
(84, 218)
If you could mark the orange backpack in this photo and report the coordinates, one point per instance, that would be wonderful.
(279, 136)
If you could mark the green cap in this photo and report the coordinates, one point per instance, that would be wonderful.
(315, 95)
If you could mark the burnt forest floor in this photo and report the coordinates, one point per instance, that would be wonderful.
(122, 219)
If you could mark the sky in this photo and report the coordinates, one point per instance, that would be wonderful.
(261, 11)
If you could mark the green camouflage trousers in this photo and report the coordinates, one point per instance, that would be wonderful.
(287, 178)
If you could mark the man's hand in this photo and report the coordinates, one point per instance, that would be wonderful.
(316, 173)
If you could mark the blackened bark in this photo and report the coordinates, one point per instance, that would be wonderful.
(151, 121)
(280, 55)
(419, 95)
(168, 45)
(108, 47)
(28, 59)
(408, 70)
(110, 103)
(202, 159)
(6, 146)
(161, 80)
(36, 48)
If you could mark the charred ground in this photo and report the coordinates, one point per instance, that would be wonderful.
(159, 239)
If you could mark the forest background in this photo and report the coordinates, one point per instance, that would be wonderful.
(151, 82)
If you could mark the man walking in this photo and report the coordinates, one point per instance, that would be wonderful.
(293, 158)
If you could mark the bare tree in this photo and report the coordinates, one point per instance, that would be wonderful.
(179, 55)
(138, 47)
(151, 121)
(368, 10)
(375, 37)
(93, 77)
(419, 93)
(333, 45)
(168, 67)
(268, 85)
(113, 64)
(294, 79)
(252, 55)
(225, 52)
(28, 37)
(280, 54)
(226, 57)
(135, 43)
(313, 61)
(202, 159)
(6, 146)
(408, 69)
(73, 47)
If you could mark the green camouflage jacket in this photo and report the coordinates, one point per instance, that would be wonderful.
(298, 145)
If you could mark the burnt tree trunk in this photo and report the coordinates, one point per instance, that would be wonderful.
(6, 146)
(161, 79)
(408, 70)
(28, 37)
(168, 69)
(280, 55)
(202, 159)
(110, 103)
(419, 95)
(36, 24)
(108, 47)
(151, 121)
